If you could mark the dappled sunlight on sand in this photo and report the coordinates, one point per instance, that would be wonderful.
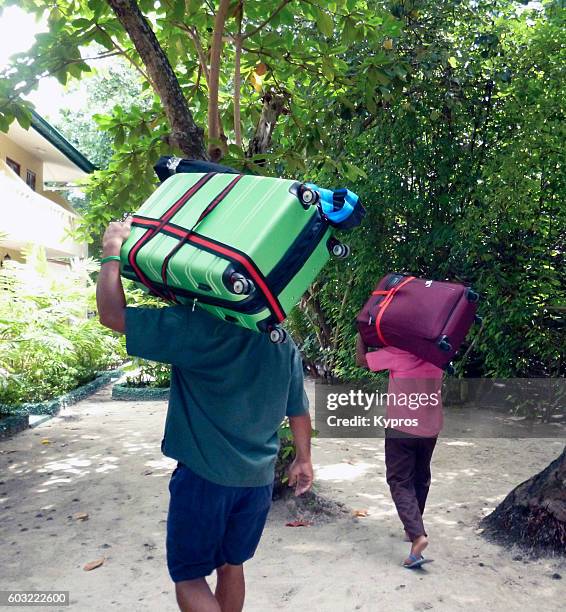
(103, 459)
(458, 443)
(343, 471)
(106, 468)
(17, 468)
(441, 520)
(54, 481)
(440, 475)
(376, 513)
(373, 496)
(311, 546)
(164, 463)
(68, 465)
(140, 446)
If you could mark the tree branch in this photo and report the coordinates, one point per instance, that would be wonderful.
(193, 35)
(238, 78)
(214, 129)
(274, 104)
(287, 57)
(185, 134)
(123, 52)
(262, 25)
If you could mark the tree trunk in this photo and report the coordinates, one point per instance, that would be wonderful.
(185, 134)
(534, 513)
(274, 104)
(216, 144)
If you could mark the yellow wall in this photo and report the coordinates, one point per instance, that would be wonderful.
(14, 255)
(55, 218)
(56, 197)
(26, 160)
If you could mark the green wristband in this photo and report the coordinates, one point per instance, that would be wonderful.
(109, 258)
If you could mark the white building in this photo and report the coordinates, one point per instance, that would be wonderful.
(30, 212)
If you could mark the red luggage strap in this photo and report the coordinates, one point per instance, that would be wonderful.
(161, 222)
(390, 294)
(190, 236)
(209, 208)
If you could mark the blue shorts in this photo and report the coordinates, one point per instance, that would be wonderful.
(210, 524)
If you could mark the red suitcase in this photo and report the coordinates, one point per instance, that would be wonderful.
(427, 318)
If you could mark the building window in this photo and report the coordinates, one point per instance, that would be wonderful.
(30, 179)
(14, 165)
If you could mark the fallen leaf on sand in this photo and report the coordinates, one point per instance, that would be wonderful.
(46, 441)
(298, 524)
(360, 513)
(93, 564)
(148, 472)
(80, 516)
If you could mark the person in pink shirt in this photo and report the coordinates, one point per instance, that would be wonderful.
(414, 409)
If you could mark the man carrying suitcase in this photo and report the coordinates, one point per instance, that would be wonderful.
(409, 447)
(230, 390)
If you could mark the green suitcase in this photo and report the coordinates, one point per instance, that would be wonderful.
(244, 247)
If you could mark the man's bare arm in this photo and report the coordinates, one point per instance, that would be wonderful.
(301, 472)
(110, 298)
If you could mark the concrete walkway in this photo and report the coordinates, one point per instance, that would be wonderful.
(102, 458)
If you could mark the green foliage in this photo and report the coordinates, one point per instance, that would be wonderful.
(115, 86)
(149, 374)
(49, 341)
(285, 457)
(145, 373)
(310, 48)
(446, 117)
(465, 181)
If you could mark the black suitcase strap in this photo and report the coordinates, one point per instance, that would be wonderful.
(163, 225)
(209, 208)
(161, 222)
(225, 252)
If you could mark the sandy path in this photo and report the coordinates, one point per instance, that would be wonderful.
(103, 458)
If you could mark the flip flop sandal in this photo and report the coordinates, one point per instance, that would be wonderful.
(416, 562)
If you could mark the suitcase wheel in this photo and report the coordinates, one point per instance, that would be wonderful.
(241, 285)
(444, 345)
(277, 335)
(339, 250)
(308, 197)
(472, 296)
(478, 319)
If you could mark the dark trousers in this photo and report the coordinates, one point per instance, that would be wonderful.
(407, 462)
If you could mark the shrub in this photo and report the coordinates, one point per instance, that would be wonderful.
(149, 374)
(50, 341)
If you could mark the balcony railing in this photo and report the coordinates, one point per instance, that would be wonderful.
(27, 217)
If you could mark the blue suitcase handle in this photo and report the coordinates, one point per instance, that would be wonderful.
(341, 207)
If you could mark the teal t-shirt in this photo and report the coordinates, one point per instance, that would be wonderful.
(230, 390)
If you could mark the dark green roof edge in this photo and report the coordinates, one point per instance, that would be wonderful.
(61, 143)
